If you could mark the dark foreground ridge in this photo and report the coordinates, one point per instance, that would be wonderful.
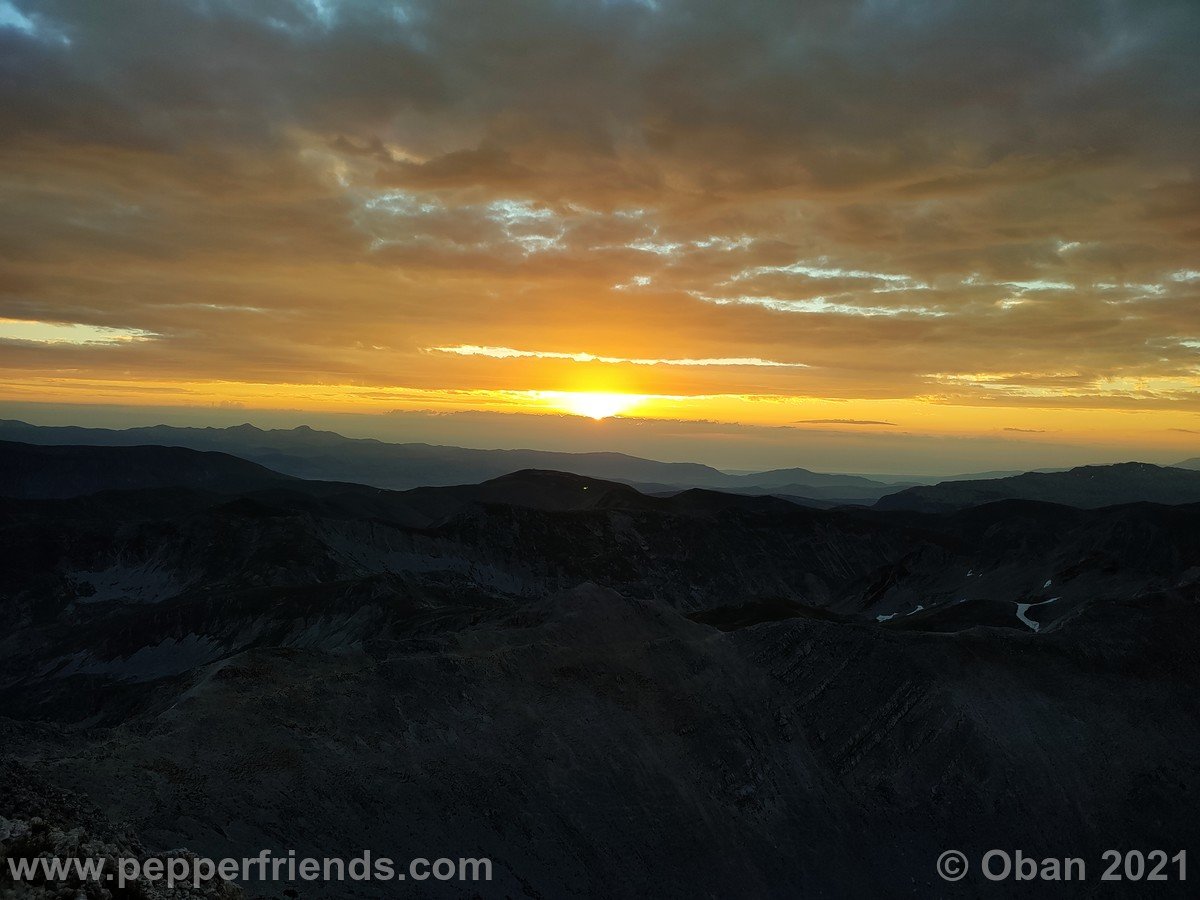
(606, 693)
(1088, 487)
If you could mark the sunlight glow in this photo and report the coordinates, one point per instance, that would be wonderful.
(593, 405)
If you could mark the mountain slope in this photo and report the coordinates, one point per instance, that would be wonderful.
(1087, 487)
(562, 674)
(27, 470)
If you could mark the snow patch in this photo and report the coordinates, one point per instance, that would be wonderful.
(911, 612)
(144, 582)
(1023, 608)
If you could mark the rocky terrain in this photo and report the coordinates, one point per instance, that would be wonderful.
(604, 692)
(40, 820)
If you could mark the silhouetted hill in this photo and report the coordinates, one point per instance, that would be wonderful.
(27, 470)
(323, 455)
(30, 471)
(1087, 487)
(327, 456)
(699, 547)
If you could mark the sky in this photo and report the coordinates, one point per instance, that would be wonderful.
(879, 235)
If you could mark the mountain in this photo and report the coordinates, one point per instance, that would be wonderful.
(1086, 487)
(802, 483)
(325, 455)
(979, 476)
(819, 496)
(785, 477)
(41, 819)
(562, 674)
(27, 470)
(304, 452)
(1193, 463)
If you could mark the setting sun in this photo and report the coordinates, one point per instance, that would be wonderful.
(595, 405)
(786, 410)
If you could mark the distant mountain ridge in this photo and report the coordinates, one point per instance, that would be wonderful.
(1085, 487)
(304, 452)
(61, 472)
(307, 453)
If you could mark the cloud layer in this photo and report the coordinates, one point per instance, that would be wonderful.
(986, 204)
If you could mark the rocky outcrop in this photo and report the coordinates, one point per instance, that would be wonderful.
(39, 821)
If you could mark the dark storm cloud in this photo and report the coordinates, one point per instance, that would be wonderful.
(962, 200)
(928, 98)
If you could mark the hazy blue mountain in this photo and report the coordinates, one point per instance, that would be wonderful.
(785, 477)
(307, 453)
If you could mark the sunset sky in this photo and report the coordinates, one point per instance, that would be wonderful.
(879, 235)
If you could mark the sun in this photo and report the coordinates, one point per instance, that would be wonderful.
(595, 405)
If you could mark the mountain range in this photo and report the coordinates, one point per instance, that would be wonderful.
(562, 673)
(307, 453)
(1087, 487)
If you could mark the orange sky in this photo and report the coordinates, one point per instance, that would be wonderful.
(861, 224)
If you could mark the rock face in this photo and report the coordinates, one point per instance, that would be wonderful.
(607, 693)
(38, 820)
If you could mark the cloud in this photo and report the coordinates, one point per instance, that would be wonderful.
(509, 353)
(977, 204)
(840, 422)
(68, 333)
(838, 304)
